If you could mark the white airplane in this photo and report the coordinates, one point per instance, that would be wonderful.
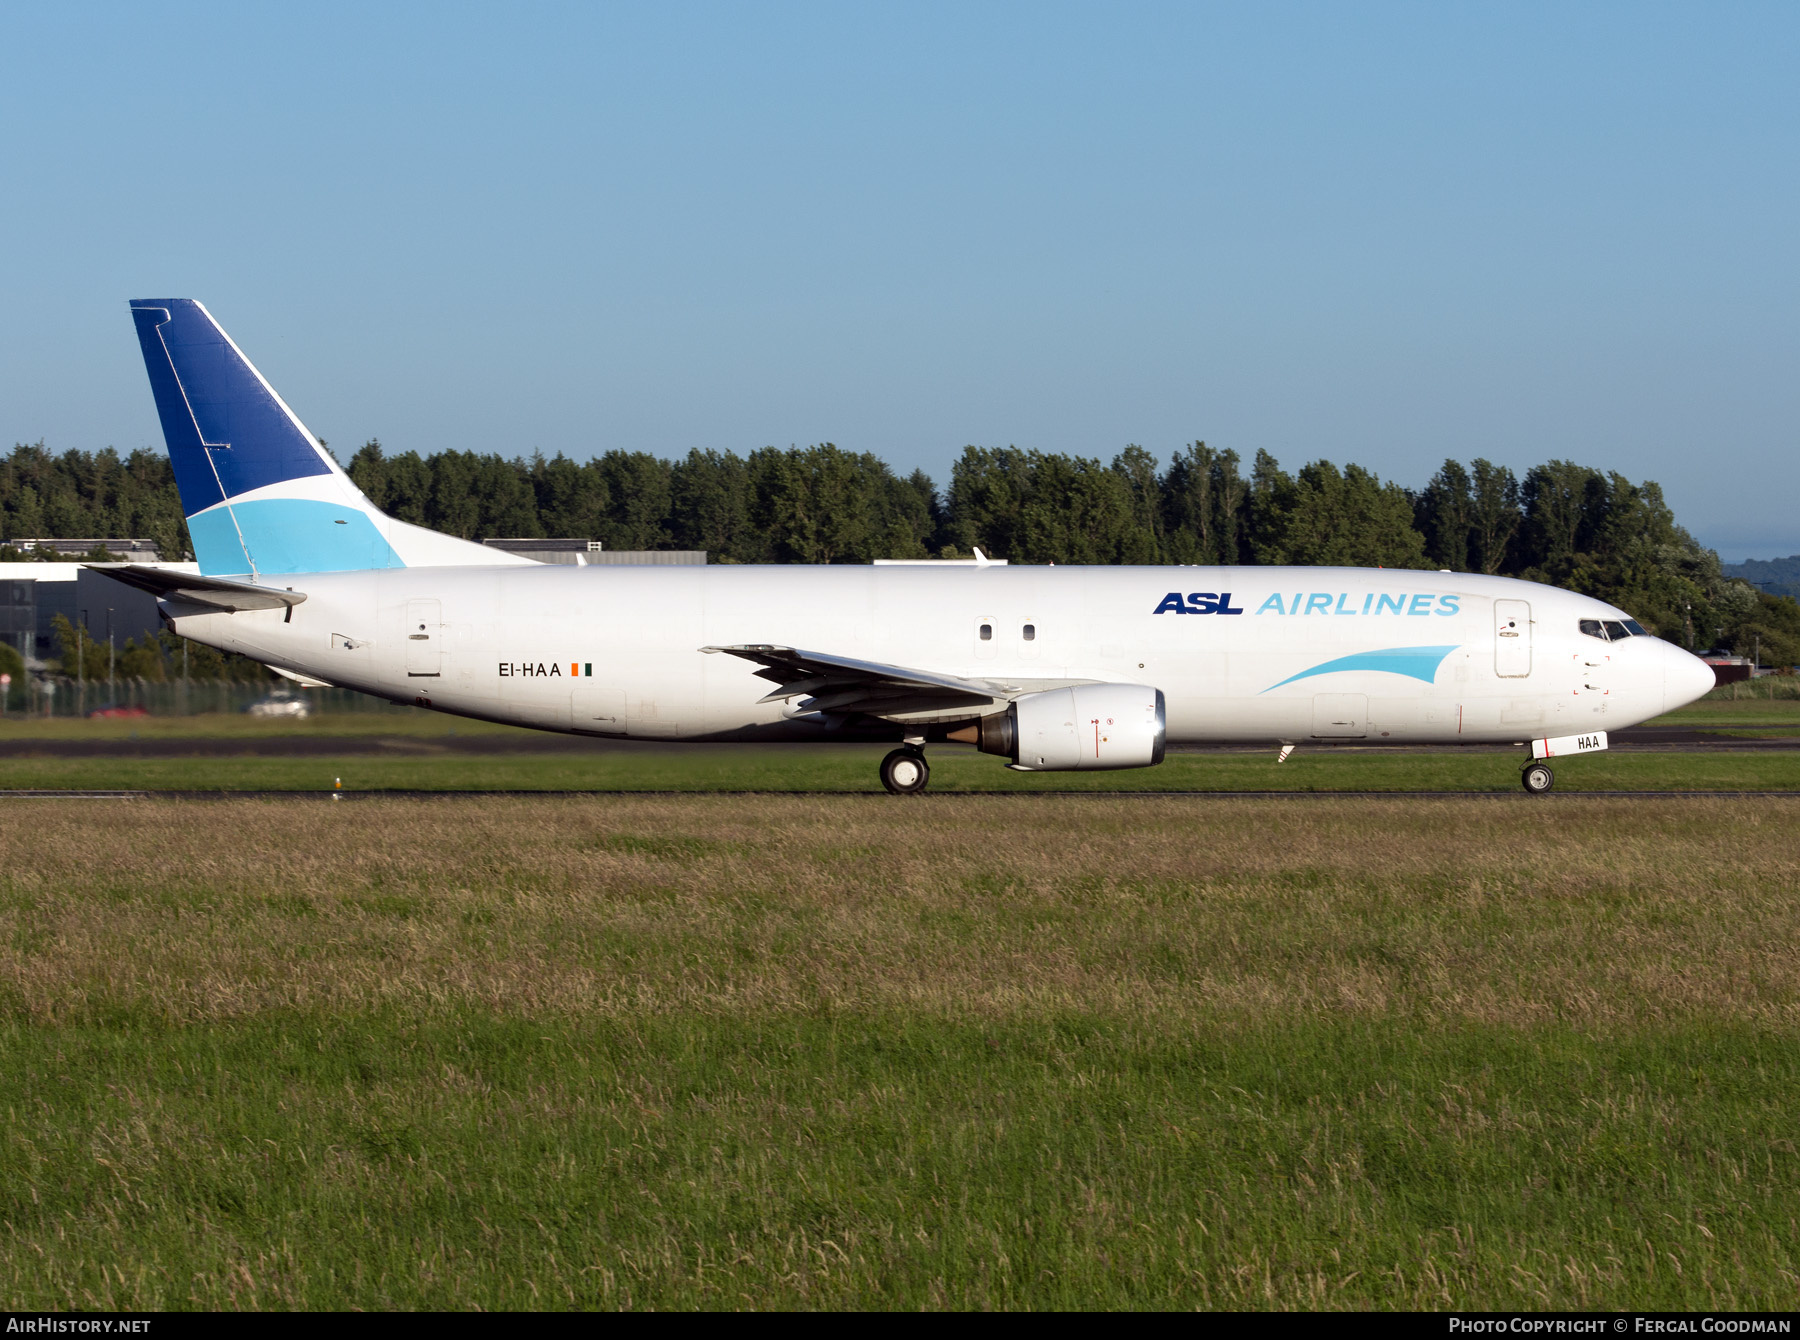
(1051, 668)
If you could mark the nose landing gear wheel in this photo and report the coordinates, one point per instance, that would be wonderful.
(905, 772)
(1537, 778)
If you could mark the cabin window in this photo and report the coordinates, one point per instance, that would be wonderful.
(1635, 628)
(1030, 632)
(987, 632)
(1594, 628)
(1617, 631)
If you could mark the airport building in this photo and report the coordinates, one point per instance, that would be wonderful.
(33, 594)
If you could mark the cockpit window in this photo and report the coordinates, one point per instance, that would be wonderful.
(1613, 630)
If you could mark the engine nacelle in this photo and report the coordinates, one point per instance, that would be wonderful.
(1086, 727)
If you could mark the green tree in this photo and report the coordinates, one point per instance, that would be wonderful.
(1444, 515)
(637, 488)
(822, 504)
(91, 494)
(709, 508)
(1770, 629)
(368, 470)
(79, 656)
(1033, 507)
(1273, 498)
(909, 514)
(412, 489)
(571, 500)
(142, 661)
(1565, 507)
(988, 491)
(1349, 518)
(1143, 540)
(1077, 511)
(1494, 516)
(1205, 506)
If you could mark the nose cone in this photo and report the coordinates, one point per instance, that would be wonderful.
(1685, 678)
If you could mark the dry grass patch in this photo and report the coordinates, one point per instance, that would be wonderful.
(1174, 910)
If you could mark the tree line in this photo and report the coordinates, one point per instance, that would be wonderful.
(1561, 522)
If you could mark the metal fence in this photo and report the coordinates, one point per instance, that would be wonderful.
(1777, 686)
(54, 696)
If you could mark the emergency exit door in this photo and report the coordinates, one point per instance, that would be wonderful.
(424, 630)
(1512, 639)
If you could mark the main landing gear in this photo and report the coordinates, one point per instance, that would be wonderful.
(1537, 778)
(905, 771)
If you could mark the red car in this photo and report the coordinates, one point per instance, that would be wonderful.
(115, 711)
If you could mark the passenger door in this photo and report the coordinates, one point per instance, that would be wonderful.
(1512, 639)
(424, 630)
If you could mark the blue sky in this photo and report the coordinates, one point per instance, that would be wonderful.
(1386, 234)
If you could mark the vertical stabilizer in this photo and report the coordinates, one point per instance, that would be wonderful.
(262, 496)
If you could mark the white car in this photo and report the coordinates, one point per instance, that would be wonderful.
(280, 705)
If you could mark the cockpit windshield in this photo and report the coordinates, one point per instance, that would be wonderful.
(1613, 630)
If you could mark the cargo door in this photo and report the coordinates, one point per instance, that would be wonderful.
(1340, 715)
(1512, 639)
(424, 640)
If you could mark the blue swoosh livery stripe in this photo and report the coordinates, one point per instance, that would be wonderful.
(1414, 662)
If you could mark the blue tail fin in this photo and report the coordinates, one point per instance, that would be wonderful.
(261, 495)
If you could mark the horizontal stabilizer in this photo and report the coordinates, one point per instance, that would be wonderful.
(191, 588)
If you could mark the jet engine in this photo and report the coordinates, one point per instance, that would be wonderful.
(1084, 727)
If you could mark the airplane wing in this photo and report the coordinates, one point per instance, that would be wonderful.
(190, 588)
(827, 683)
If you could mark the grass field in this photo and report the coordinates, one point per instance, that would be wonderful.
(415, 723)
(1734, 712)
(841, 1051)
(802, 768)
(429, 751)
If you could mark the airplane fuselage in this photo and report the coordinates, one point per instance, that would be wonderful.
(1240, 654)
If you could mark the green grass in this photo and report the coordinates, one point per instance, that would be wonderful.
(844, 1159)
(819, 1052)
(1711, 711)
(411, 723)
(853, 768)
